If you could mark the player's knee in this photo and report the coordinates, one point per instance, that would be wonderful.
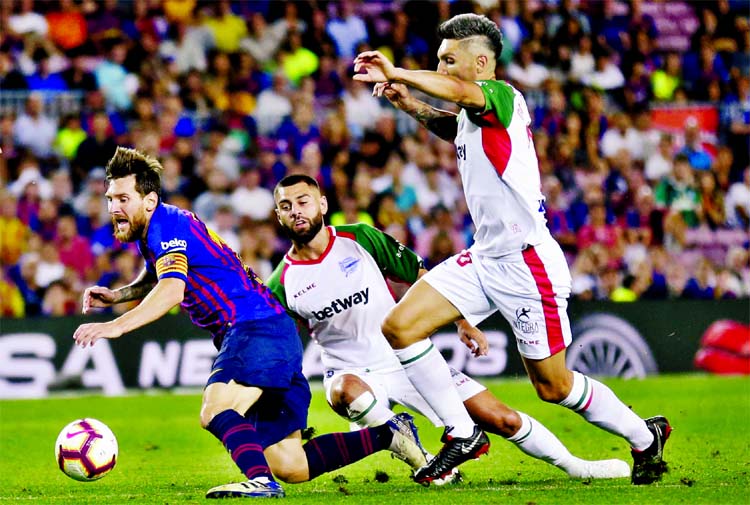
(291, 472)
(551, 392)
(507, 423)
(344, 390)
(397, 331)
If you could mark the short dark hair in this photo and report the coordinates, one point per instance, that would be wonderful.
(147, 170)
(291, 180)
(464, 26)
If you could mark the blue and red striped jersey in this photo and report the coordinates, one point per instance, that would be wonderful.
(219, 290)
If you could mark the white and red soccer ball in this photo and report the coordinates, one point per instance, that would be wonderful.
(86, 450)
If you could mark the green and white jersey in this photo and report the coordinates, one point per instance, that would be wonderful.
(343, 295)
(500, 172)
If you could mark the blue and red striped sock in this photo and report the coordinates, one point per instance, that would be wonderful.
(334, 450)
(241, 440)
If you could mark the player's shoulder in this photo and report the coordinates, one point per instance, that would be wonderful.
(356, 231)
(166, 229)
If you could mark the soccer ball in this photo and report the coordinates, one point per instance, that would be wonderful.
(86, 450)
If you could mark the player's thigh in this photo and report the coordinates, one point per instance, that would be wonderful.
(530, 290)
(219, 396)
(287, 459)
(446, 293)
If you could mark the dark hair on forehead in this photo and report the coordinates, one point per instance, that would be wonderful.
(147, 170)
(291, 180)
(464, 26)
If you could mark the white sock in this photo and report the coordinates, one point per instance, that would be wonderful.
(366, 410)
(601, 407)
(534, 439)
(430, 375)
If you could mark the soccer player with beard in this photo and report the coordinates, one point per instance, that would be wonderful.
(256, 399)
(333, 279)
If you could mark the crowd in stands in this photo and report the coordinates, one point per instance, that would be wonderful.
(232, 96)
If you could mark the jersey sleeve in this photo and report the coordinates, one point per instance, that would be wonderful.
(169, 238)
(499, 98)
(276, 285)
(395, 260)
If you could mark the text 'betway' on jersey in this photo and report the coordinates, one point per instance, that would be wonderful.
(341, 304)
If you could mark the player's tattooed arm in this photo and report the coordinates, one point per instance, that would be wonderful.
(138, 289)
(440, 122)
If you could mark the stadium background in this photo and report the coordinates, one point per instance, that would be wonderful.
(641, 115)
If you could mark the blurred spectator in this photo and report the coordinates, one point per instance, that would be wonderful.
(659, 164)
(712, 210)
(666, 80)
(696, 154)
(14, 233)
(113, 79)
(27, 21)
(700, 286)
(67, 25)
(346, 29)
(361, 108)
(620, 135)
(59, 300)
(11, 300)
(349, 213)
(35, 130)
(250, 251)
(208, 202)
(678, 193)
(606, 75)
(273, 105)
(525, 72)
(77, 76)
(597, 230)
(226, 27)
(96, 150)
(737, 202)
(296, 60)
(440, 223)
(74, 250)
(187, 45)
(224, 224)
(69, 137)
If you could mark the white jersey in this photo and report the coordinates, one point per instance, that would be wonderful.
(343, 295)
(500, 173)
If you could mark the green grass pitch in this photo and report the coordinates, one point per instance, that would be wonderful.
(166, 458)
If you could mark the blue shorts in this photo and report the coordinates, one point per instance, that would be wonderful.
(266, 353)
(277, 414)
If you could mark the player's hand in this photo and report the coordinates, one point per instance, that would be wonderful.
(88, 334)
(396, 93)
(376, 67)
(97, 297)
(473, 338)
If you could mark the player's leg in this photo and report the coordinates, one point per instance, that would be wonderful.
(292, 461)
(239, 387)
(363, 400)
(351, 397)
(532, 296)
(442, 296)
(599, 405)
(534, 439)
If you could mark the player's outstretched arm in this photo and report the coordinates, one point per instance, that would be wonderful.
(374, 67)
(440, 122)
(100, 296)
(166, 294)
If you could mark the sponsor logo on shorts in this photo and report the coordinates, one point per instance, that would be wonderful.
(174, 243)
(339, 305)
(524, 323)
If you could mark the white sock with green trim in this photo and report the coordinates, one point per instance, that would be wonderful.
(431, 377)
(534, 439)
(366, 410)
(601, 407)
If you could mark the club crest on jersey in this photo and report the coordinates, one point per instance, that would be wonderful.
(349, 265)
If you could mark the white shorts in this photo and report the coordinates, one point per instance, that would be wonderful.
(393, 387)
(529, 288)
